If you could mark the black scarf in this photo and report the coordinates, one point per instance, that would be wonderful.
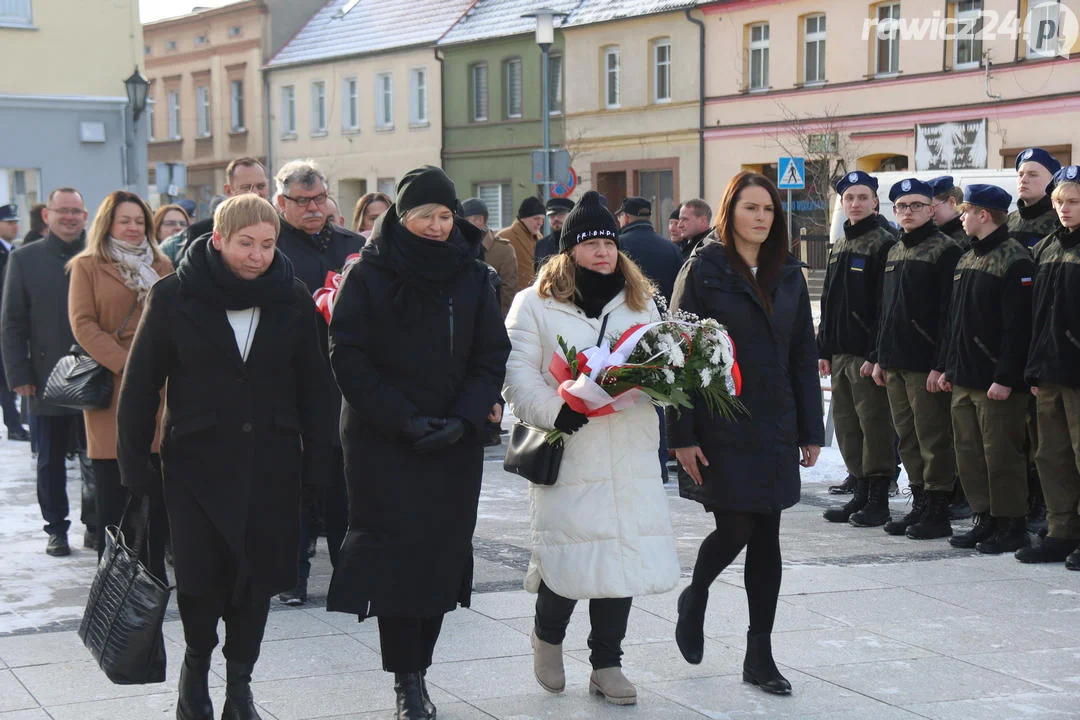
(1068, 238)
(1035, 209)
(595, 290)
(204, 273)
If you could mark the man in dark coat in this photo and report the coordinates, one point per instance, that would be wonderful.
(9, 232)
(36, 334)
(557, 210)
(419, 351)
(695, 224)
(246, 422)
(316, 247)
(658, 258)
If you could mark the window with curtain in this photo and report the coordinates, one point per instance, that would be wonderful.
(350, 105)
(478, 91)
(236, 103)
(612, 80)
(662, 70)
(202, 111)
(512, 89)
(418, 94)
(318, 107)
(288, 110)
(384, 101)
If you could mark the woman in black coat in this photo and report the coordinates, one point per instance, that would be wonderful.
(747, 470)
(232, 334)
(419, 351)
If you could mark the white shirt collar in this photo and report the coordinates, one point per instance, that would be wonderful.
(5, 244)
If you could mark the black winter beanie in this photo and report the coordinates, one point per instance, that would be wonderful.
(530, 207)
(589, 219)
(427, 184)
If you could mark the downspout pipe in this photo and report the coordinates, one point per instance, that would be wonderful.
(701, 102)
(442, 107)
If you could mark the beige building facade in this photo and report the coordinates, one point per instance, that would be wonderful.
(632, 107)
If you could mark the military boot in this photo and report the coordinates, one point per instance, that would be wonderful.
(876, 510)
(959, 509)
(843, 513)
(918, 505)
(934, 522)
(1010, 536)
(982, 527)
(1051, 549)
(845, 488)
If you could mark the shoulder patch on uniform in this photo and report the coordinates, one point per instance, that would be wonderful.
(858, 264)
(1025, 281)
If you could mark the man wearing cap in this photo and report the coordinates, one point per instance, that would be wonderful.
(695, 224)
(1034, 217)
(498, 252)
(916, 294)
(946, 215)
(523, 235)
(673, 225)
(983, 368)
(658, 258)
(9, 232)
(847, 348)
(557, 210)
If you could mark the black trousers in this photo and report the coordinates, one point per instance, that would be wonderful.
(112, 498)
(408, 643)
(53, 435)
(245, 623)
(10, 409)
(335, 518)
(607, 615)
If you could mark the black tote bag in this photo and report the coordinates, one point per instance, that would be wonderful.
(126, 608)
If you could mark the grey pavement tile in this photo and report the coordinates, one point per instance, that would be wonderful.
(307, 657)
(451, 711)
(485, 639)
(501, 677)
(730, 698)
(837, 646)
(1057, 669)
(41, 648)
(578, 704)
(857, 608)
(880, 711)
(641, 627)
(25, 715)
(148, 707)
(964, 569)
(344, 695)
(1009, 598)
(79, 681)
(13, 696)
(1043, 706)
(661, 662)
(504, 605)
(811, 579)
(972, 634)
(907, 682)
(294, 623)
(342, 621)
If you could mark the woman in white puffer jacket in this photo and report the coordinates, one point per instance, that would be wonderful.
(602, 532)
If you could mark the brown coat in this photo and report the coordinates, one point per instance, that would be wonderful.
(524, 244)
(500, 254)
(98, 303)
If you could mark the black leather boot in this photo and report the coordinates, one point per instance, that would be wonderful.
(759, 668)
(876, 510)
(429, 707)
(690, 629)
(239, 704)
(194, 702)
(843, 513)
(845, 488)
(1010, 536)
(918, 505)
(934, 522)
(410, 696)
(982, 527)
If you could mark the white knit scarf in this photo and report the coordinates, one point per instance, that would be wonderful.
(135, 264)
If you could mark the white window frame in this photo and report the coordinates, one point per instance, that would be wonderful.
(318, 107)
(18, 14)
(173, 102)
(202, 111)
(477, 95)
(503, 193)
(555, 84)
(288, 110)
(236, 105)
(888, 32)
(817, 37)
(612, 77)
(661, 70)
(969, 18)
(510, 67)
(384, 101)
(758, 57)
(350, 105)
(418, 97)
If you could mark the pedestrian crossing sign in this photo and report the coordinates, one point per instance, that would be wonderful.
(791, 173)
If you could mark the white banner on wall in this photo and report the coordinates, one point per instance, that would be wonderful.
(959, 145)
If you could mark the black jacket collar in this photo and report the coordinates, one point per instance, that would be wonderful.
(635, 225)
(1030, 212)
(66, 249)
(868, 223)
(991, 241)
(916, 236)
(952, 226)
(1068, 238)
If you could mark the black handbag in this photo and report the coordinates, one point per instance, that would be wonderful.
(125, 609)
(531, 456)
(79, 382)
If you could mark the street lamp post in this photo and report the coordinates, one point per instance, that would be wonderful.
(137, 89)
(545, 37)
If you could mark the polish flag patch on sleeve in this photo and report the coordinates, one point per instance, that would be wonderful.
(1025, 281)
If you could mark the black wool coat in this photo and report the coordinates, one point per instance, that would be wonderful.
(658, 258)
(237, 435)
(754, 460)
(408, 552)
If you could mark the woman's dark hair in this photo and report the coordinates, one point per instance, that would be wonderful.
(362, 206)
(774, 250)
(37, 222)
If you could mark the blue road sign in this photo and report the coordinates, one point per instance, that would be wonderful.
(791, 173)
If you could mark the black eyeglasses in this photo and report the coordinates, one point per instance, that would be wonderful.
(912, 207)
(319, 199)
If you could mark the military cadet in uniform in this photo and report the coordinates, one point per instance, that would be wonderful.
(847, 348)
(1053, 370)
(914, 317)
(1034, 216)
(946, 215)
(984, 370)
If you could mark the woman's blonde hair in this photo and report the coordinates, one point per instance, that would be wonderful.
(159, 218)
(558, 280)
(423, 211)
(241, 211)
(1061, 187)
(97, 239)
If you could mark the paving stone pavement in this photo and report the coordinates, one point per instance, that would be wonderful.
(869, 626)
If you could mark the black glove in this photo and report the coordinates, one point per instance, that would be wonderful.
(420, 426)
(569, 421)
(452, 430)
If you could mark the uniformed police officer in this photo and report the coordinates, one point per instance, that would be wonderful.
(984, 369)
(915, 299)
(9, 233)
(1053, 369)
(947, 198)
(847, 348)
(556, 210)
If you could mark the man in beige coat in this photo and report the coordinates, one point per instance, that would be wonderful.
(523, 235)
(498, 252)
